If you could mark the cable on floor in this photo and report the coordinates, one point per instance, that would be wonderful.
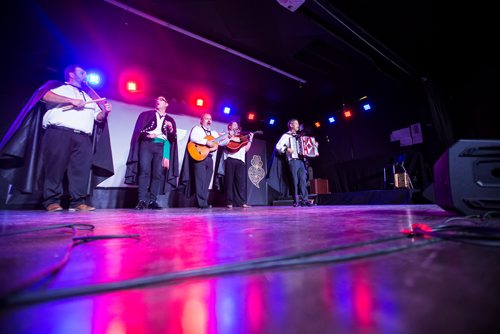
(267, 263)
(474, 234)
(51, 271)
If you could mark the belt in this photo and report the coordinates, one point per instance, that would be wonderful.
(58, 127)
(154, 140)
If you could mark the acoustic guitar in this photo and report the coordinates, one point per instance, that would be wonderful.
(233, 146)
(200, 152)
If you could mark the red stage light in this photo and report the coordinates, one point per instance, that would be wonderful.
(347, 113)
(132, 86)
(199, 102)
(251, 116)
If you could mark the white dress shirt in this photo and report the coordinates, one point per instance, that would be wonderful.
(159, 123)
(284, 143)
(198, 135)
(240, 154)
(77, 119)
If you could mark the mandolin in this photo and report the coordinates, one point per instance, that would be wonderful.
(233, 146)
(200, 152)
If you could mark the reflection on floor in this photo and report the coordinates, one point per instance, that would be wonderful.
(275, 269)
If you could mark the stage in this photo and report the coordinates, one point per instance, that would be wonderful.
(266, 269)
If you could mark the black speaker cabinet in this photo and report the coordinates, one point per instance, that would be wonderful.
(467, 177)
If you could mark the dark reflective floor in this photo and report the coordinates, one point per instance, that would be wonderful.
(325, 269)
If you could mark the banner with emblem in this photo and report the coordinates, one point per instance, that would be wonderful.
(256, 164)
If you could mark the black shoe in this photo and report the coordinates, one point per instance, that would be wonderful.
(141, 205)
(153, 205)
(306, 203)
(295, 204)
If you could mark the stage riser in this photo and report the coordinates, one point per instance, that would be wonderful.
(397, 196)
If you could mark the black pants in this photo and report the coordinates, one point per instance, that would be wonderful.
(235, 180)
(150, 170)
(299, 178)
(66, 152)
(203, 171)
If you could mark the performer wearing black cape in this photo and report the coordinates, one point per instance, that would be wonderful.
(196, 174)
(143, 146)
(288, 172)
(22, 162)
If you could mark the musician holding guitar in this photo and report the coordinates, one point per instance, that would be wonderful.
(235, 172)
(202, 146)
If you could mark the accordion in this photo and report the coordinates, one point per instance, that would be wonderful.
(303, 146)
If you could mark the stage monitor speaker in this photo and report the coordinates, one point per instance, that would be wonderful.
(467, 177)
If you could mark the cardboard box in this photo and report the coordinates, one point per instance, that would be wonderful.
(319, 186)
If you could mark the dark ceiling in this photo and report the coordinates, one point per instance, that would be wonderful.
(341, 50)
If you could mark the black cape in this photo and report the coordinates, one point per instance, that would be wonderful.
(186, 180)
(132, 172)
(278, 176)
(21, 162)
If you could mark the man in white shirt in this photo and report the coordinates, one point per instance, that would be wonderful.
(296, 164)
(67, 142)
(235, 173)
(153, 155)
(206, 140)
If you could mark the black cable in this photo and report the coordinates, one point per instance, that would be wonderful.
(274, 262)
(488, 215)
(476, 235)
(47, 272)
(491, 214)
(482, 235)
(479, 234)
(368, 40)
(101, 237)
(55, 268)
(79, 226)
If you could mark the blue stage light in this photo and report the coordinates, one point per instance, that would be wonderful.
(93, 79)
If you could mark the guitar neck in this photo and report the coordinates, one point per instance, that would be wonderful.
(215, 140)
(255, 132)
(218, 139)
(248, 134)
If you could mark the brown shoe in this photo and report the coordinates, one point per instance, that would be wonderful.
(82, 207)
(54, 207)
